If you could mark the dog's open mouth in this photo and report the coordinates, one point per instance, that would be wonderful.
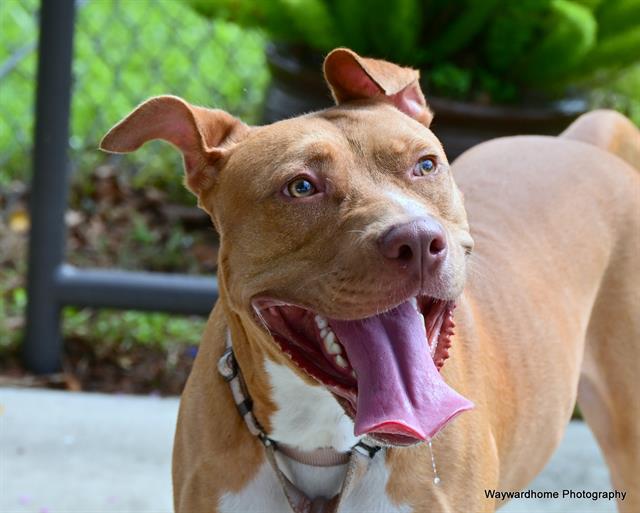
(383, 369)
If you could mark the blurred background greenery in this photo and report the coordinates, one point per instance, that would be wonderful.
(489, 51)
(128, 212)
(133, 212)
(125, 51)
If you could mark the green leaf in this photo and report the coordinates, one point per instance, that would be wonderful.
(394, 29)
(510, 33)
(351, 20)
(471, 19)
(571, 35)
(312, 20)
(613, 52)
(615, 16)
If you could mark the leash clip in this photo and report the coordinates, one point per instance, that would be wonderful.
(367, 450)
(266, 441)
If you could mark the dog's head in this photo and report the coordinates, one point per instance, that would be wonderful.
(343, 237)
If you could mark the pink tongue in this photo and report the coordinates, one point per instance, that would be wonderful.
(400, 391)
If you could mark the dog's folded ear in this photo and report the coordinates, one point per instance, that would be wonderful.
(204, 136)
(352, 77)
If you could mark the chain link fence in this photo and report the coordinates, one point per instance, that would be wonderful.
(125, 51)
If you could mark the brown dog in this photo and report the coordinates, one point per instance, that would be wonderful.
(344, 246)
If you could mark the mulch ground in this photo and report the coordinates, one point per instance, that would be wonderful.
(110, 223)
(108, 368)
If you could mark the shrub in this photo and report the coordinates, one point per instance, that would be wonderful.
(470, 49)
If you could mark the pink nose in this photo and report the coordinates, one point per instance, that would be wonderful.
(419, 246)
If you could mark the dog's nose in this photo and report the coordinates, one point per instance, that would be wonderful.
(420, 245)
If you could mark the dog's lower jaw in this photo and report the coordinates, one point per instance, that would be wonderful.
(396, 353)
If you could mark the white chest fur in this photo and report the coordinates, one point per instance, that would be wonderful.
(264, 494)
(308, 417)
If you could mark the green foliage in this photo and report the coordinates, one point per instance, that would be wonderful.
(622, 48)
(130, 328)
(12, 305)
(351, 21)
(18, 36)
(571, 35)
(367, 27)
(126, 51)
(311, 17)
(126, 328)
(512, 30)
(621, 94)
(502, 48)
(452, 79)
(403, 28)
(616, 16)
(463, 29)
(13, 296)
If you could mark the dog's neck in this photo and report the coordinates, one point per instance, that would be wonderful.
(306, 416)
(290, 410)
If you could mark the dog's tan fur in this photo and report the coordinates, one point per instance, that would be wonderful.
(550, 309)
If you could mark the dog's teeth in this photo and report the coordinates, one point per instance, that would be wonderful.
(330, 344)
(353, 373)
(423, 324)
(414, 302)
(341, 362)
(321, 322)
(334, 349)
(324, 332)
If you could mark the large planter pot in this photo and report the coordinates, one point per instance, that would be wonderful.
(298, 87)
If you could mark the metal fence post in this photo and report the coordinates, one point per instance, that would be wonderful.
(49, 189)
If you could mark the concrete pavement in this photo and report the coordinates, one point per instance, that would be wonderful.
(85, 453)
(89, 453)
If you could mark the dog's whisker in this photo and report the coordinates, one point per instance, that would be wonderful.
(261, 319)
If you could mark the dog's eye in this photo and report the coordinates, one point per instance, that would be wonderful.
(425, 166)
(300, 188)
